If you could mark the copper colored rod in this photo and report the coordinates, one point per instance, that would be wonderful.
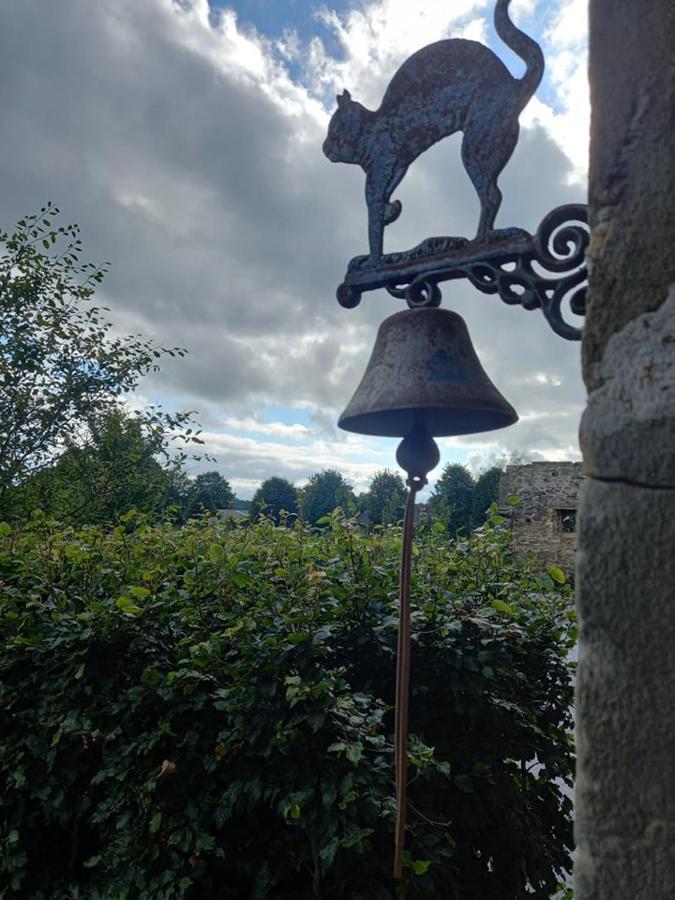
(403, 682)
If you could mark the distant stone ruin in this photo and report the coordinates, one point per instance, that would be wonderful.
(544, 523)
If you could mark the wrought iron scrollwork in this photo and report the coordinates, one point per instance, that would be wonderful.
(542, 275)
(543, 271)
(419, 293)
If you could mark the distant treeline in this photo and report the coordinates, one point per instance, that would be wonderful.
(72, 449)
(118, 471)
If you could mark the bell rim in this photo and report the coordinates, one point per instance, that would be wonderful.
(484, 418)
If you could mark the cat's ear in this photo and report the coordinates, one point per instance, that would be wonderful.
(344, 97)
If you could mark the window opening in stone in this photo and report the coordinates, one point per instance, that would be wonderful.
(566, 520)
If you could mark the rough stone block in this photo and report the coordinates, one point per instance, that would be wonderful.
(625, 694)
(627, 431)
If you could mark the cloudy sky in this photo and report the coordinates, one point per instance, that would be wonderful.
(184, 136)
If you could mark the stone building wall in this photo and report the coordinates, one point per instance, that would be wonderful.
(625, 715)
(545, 521)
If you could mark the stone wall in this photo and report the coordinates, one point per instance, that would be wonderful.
(544, 522)
(625, 714)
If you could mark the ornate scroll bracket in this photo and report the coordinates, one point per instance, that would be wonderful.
(543, 271)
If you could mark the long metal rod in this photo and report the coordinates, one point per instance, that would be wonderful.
(403, 681)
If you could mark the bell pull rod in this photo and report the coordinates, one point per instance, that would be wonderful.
(403, 676)
(417, 455)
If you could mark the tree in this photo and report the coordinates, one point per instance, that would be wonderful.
(61, 368)
(361, 504)
(451, 498)
(208, 492)
(96, 484)
(324, 492)
(485, 493)
(386, 498)
(273, 496)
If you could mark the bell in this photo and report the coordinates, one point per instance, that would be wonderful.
(424, 375)
(423, 380)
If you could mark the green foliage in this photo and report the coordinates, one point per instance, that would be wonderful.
(452, 497)
(206, 493)
(206, 713)
(96, 484)
(61, 368)
(485, 493)
(325, 492)
(386, 498)
(274, 496)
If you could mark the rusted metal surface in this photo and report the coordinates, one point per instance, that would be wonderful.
(451, 86)
(423, 372)
(544, 271)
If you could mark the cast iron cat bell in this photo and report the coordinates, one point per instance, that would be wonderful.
(424, 379)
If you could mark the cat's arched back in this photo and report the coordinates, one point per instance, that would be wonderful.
(449, 86)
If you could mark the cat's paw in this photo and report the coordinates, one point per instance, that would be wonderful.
(392, 211)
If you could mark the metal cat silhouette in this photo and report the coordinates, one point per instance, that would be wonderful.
(452, 86)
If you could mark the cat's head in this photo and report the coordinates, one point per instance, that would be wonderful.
(344, 143)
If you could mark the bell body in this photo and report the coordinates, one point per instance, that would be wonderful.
(424, 374)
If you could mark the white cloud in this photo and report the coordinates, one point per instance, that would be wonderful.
(253, 460)
(192, 160)
(569, 26)
(521, 9)
(376, 37)
(257, 426)
(565, 44)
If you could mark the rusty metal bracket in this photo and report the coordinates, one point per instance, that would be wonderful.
(542, 271)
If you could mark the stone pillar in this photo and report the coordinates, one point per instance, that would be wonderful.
(625, 791)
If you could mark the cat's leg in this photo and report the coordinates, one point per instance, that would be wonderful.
(487, 146)
(393, 210)
(380, 185)
(375, 204)
(376, 201)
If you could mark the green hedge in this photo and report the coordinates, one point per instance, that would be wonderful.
(206, 713)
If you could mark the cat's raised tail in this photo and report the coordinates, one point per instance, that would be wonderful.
(526, 48)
